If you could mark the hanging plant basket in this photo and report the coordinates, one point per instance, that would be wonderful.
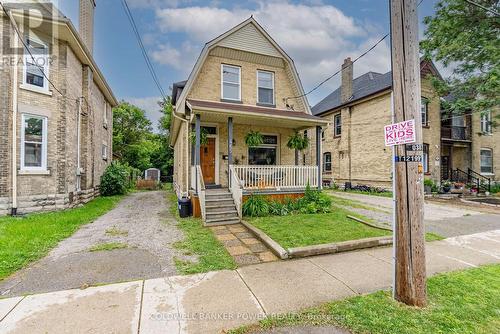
(254, 139)
(203, 137)
(297, 141)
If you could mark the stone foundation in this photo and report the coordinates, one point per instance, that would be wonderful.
(43, 203)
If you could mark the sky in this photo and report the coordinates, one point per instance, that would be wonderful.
(317, 34)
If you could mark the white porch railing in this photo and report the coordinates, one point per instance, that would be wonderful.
(236, 189)
(276, 177)
(200, 188)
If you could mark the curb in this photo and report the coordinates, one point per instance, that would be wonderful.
(270, 243)
(369, 224)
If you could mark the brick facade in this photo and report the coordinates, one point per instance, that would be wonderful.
(55, 188)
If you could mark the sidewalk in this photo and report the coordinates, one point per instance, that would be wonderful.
(209, 303)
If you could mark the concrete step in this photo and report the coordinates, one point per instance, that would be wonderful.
(223, 221)
(223, 214)
(218, 202)
(221, 208)
(218, 197)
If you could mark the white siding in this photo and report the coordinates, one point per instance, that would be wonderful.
(248, 38)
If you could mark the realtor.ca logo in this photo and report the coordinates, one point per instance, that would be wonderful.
(29, 31)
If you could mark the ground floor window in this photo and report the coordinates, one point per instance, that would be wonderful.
(425, 158)
(265, 154)
(486, 161)
(34, 142)
(327, 162)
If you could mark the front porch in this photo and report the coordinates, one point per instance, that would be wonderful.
(224, 162)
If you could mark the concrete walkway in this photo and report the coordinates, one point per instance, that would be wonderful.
(141, 222)
(212, 302)
(442, 219)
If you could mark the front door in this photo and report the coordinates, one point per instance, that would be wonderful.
(207, 157)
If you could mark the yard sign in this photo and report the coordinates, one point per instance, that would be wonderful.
(400, 133)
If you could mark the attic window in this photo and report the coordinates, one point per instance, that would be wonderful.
(231, 82)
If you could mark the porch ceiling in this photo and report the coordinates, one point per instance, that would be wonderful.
(218, 112)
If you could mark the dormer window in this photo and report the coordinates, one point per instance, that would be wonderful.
(231, 83)
(36, 64)
(265, 88)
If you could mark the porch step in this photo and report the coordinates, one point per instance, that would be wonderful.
(222, 214)
(223, 221)
(220, 208)
(218, 202)
(227, 196)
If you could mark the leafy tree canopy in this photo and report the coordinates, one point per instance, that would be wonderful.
(466, 38)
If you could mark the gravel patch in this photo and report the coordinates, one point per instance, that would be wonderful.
(141, 221)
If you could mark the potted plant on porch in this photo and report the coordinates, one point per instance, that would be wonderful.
(298, 143)
(446, 186)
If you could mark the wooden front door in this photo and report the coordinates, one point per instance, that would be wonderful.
(207, 160)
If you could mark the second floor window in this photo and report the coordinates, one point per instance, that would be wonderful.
(231, 83)
(105, 114)
(34, 143)
(337, 121)
(424, 111)
(425, 159)
(36, 64)
(265, 87)
(486, 161)
(486, 122)
(104, 152)
(327, 162)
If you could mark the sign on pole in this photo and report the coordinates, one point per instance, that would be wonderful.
(400, 133)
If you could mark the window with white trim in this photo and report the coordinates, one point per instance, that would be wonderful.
(265, 154)
(327, 162)
(231, 82)
(486, 122)
(337, 121)
(37, 65)
(105, 114)
(104, 151)
(425, 158)
(424, 111)
(265, 87)
(486, 161)
(33, 142)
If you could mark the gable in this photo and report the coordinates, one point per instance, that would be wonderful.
(248, 38)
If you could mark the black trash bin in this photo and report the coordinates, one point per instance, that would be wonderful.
(184, 207)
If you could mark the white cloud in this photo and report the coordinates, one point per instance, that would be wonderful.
(317, 37)
(150, 106)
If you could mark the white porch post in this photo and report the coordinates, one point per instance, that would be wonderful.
(197, 149)
(229, 148)
(318, 155)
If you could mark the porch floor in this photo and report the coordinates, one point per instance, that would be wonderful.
(242, 245)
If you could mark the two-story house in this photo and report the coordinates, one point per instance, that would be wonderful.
(242, 83)
(55, 109)
(454, 146)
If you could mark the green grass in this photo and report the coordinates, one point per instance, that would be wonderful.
(199, 241)
(465, 302)
(353, 203)
(314, 229)
(27, 239)
(114, 232)
(107, 246)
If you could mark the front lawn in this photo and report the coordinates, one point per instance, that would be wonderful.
(466, 302)
(371, 193)
(199, 241)
(27, 239)
(314, 229)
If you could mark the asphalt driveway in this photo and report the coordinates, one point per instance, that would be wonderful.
(141, 224)
(447, 220)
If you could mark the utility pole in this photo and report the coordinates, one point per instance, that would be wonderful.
(409, 271)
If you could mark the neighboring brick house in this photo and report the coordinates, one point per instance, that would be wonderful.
(353, 144)
(239, 84)
(62, 133)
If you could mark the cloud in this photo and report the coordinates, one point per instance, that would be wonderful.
(150, 106)
(317, 37)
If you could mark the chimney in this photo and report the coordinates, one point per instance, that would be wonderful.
(87, 23)
(347, 78)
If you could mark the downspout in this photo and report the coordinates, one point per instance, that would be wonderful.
(187, 148)
(14, 123)
(78, 136)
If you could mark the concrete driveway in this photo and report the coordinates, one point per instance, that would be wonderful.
(445, 220)
(141, 223)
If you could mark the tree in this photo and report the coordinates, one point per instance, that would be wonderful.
(163, 158)
(133, 140)
(465, 36)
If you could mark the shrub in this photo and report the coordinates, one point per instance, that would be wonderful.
(115, 180)
(495, 188)
(255, 206)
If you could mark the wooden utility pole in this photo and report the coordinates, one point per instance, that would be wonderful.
(410, 276)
